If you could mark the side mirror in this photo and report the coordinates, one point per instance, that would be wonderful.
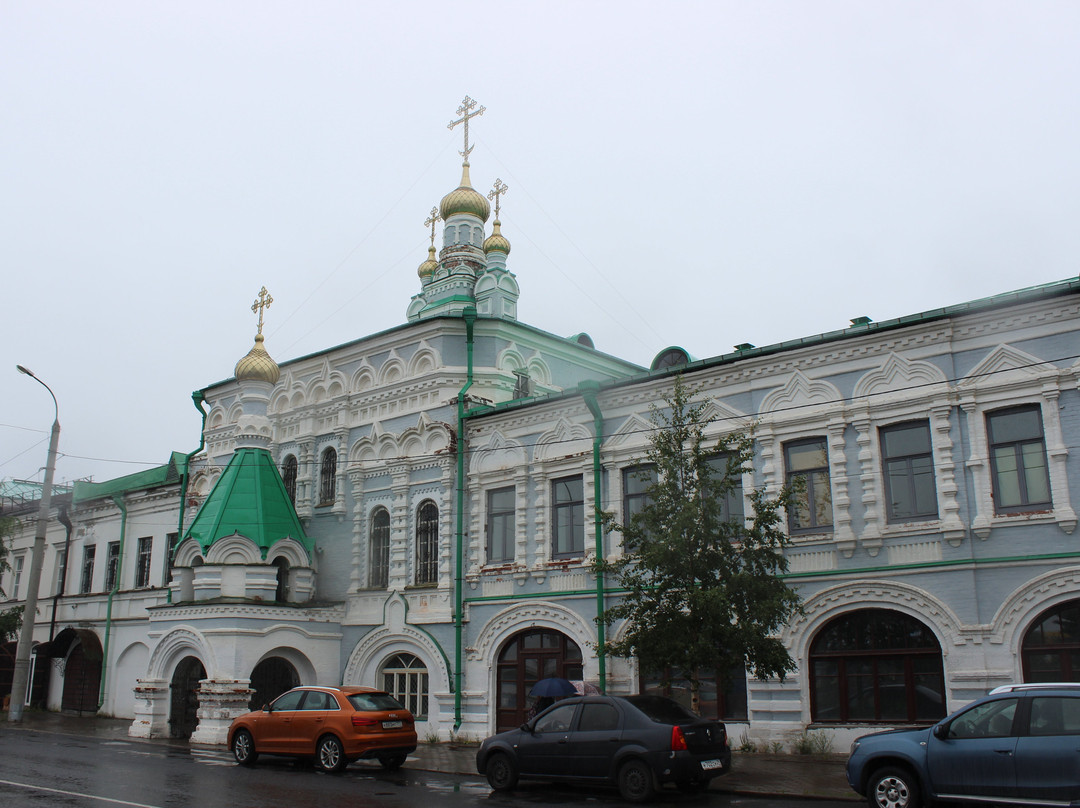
(941, 731)
(526, 727)
(266, 708)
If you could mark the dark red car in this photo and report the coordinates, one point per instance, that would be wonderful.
(332, 725)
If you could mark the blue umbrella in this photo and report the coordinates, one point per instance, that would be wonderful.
(554, 688)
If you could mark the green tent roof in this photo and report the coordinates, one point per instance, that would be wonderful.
(249, 499)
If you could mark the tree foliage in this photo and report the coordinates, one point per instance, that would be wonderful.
(10, 619)
(701, 587)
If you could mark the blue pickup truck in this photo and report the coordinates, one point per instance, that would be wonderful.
(1020, 744)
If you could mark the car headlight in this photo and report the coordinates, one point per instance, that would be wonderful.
(854, 746)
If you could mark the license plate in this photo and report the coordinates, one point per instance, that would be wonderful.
(397, 725)
(712, 764)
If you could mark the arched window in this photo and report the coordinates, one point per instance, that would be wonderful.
(427, 543)
(876, 665)
(527, 658)
(724, 701)
(328, 477)
(288, 476)
(405, 677)
(1051, 647)
(379, 571)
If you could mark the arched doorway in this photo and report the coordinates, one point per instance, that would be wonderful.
(270, 679)
(1051, 648)
(876, 665)
(184, 707)
(525, 659)
(80, 650)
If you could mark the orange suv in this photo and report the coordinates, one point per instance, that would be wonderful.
(333, 725)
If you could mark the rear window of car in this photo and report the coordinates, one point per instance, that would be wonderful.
(374, 701)
(662, 710)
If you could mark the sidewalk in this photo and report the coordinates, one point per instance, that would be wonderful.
(778, 775)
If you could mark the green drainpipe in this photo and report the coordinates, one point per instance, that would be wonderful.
(198, 398)
(119, 500)
(588, 390)
(469, 315)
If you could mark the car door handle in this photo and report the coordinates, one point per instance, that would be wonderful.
(1004, 751)
(564, 739)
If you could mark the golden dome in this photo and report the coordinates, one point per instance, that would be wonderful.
(428, 267)
(496, 241)
(257, 366)
(464, 199)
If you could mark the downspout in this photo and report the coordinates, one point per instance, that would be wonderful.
(64, 518)
(469, 316)
(197, 397)
(119, 500)
(588, 390)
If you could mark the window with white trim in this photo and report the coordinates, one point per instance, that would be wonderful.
(1019, 473)
(405, 677)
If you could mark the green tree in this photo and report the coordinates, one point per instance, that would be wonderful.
(10, 619)
(702, 589)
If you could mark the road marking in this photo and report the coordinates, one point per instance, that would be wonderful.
(76, 794)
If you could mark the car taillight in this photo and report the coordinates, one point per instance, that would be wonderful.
(359, 722)
(678, 740)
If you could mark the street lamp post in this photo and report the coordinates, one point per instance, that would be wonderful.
(21, 678)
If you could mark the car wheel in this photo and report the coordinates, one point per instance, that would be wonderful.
(636, 781)
(501, 772)
(391, 762)
(243, 748)
(329, 755)
(893, 788)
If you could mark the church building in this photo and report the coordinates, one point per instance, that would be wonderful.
(415, 510)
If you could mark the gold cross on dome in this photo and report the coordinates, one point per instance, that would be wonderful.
(263, 301)
(465, 114)
(496, 192)
(435, 217)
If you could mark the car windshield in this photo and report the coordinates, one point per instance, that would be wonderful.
(662, 710)
(374, 701)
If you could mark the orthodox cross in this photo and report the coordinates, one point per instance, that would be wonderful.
(465, 114)
(496, 192)
(263, 301)
(435, 217)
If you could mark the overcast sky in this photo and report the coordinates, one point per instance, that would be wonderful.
(693, 174)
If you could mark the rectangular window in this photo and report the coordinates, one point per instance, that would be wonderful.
(807, 466)
(568, 517)
(112, 565)
(908, 465)
(17, 569)
(61, 571)
(637, 480)
(500, 525)
(1021, 480)
(732, 506)
(87, 582)
(142, 573)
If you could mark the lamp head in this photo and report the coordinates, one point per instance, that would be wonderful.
(28, 372)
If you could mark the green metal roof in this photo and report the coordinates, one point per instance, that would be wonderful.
(250, 499)
(140, 480)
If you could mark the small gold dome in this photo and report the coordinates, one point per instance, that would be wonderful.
(428, 267)
(257, 366)
(464, 199)
(496, 241)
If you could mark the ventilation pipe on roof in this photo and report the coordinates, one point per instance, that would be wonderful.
(588, 390)
(119, 500)
(469, 316)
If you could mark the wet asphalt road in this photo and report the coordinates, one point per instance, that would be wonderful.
(44, 769)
